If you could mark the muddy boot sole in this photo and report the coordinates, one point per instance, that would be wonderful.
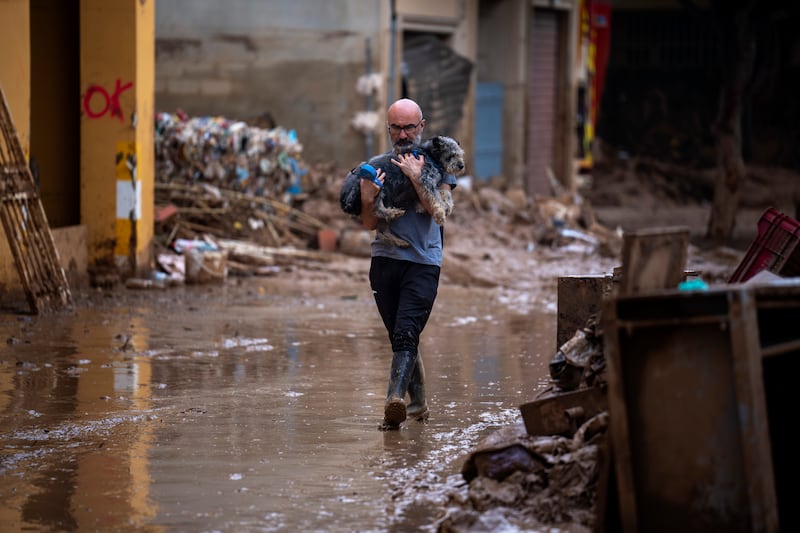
(394, 413)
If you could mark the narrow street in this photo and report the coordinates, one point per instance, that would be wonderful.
(250, 406)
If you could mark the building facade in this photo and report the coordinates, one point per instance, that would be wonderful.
(87, 78)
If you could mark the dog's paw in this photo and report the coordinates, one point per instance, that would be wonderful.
(439, 214)
(447, 201)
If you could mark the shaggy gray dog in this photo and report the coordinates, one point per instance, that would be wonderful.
(443, 155)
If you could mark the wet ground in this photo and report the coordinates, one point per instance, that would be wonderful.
(252, 406)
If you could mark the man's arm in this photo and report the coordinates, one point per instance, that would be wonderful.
(369, 192)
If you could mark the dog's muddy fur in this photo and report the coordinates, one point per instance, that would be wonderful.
(443, 155)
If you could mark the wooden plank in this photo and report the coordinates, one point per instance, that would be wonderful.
(653, 259)
(749, 387)
(564, 413)
(619, 429)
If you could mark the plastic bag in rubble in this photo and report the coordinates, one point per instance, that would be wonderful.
(570, 361)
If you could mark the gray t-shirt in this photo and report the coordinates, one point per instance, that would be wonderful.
(422, 233)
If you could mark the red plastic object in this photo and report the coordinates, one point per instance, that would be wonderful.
(774, 249)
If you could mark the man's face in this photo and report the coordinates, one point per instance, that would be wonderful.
(405, 128)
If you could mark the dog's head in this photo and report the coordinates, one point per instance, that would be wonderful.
(448, 153)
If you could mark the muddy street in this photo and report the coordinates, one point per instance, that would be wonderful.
(250, 406)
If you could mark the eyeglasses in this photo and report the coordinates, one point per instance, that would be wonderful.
(408, 128)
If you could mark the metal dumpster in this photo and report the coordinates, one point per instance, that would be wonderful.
(701, 407)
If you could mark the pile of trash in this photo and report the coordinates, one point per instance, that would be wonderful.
(228, 154)
(218, 178)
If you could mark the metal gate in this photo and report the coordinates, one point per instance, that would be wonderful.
(542, 100)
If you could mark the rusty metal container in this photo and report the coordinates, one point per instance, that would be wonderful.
(700, 402)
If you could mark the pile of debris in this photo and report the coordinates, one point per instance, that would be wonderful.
(227, 154)
(225, 178)
(233, 190)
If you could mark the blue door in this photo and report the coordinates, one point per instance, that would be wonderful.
(488, 130)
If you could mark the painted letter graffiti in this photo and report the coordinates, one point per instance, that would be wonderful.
(109, 103)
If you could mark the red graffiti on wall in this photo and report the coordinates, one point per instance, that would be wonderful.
(110, 102)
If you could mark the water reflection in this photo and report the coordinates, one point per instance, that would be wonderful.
(69, 404)
(228, 412)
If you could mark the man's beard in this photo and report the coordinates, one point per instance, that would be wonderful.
(405, 143)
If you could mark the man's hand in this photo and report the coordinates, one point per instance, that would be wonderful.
(411, 166)
(370, 189)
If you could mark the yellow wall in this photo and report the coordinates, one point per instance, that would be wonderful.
(117, 84)
(15, 64)
(145, 130)
(15, 80)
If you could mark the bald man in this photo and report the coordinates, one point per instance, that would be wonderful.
(405, 280)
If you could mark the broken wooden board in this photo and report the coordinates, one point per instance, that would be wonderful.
(653, 259)
(26, 227)
(564, 413)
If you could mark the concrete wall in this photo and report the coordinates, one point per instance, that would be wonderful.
(297, 60)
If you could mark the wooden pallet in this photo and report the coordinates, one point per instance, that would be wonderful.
(26, 227)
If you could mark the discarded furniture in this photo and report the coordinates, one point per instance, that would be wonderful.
(701, 396)
(26, 227)
(653, 258)
(774, 248)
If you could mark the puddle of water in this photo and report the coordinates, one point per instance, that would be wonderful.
(222, 409)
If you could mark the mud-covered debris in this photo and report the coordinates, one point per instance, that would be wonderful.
(580, 359)
(540, 481)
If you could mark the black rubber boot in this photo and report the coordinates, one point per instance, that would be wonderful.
(417, 408)
(394, 413)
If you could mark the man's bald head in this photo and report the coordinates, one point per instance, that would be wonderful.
(405, 108)
(405, 123)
